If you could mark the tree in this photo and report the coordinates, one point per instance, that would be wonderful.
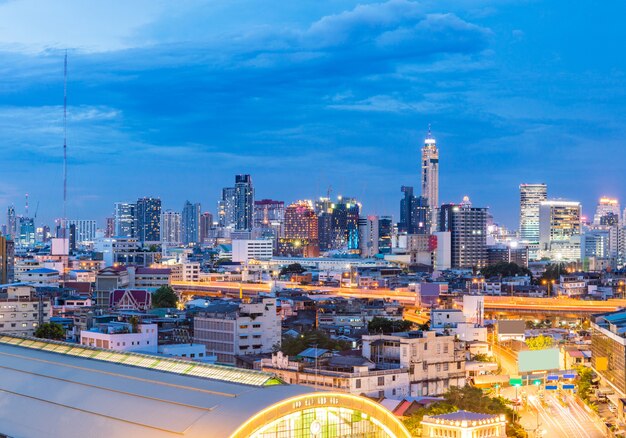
(50, 330)
(584, 384)
(540, 342)
(291, 346)
(164, 297)
(505, 269)
(385, 325)
(294, 268)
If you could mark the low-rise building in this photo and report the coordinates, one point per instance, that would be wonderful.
(511, 330)
(40, 277)
(608, 347)
(149, 278)
(121, 336)
(188, 351)
(245, 250)
(21, 310)
(230, 329)
(350, 374)
(464, 424)
(435, 362)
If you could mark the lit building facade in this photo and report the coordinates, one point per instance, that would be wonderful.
(385, 234)
(125, 219)
(606, 207)
(171, 228)
(464, 424)
(368, 236)
(190, 223)
(301, 228)
(244, 202)
(559, 230)
(468, 233)
(148, 219)
(430, 175)
(206, 224)
(531, 195)
(226, 208)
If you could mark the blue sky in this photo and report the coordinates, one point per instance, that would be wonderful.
(171, 99)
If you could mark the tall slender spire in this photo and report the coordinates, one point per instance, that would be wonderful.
(64, 219)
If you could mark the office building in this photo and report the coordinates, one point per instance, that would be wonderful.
(345, 224)
(119, 336)
(300, 234)
(125, 219)
(607, 207)
(226, 208)
(503, 253)
(531, 195)
(385, 233)
(26, 231)
(206, 224)
(148, 220)
(244, 202)
(608, 347)
(368, 236)
(324, 211)
(171, 225)
(559, 230)
(84, 230)
(190, 223)
(269, 217)
(12, 229)
(415, 213)
(245, 250)
(231, 329)
(468, 233)
(109, 230)
(430, 176)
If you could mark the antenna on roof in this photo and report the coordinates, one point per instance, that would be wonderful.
(64, 219)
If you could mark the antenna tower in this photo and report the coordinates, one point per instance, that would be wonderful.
(64, 219)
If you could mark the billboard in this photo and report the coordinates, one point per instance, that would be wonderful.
(538, 360)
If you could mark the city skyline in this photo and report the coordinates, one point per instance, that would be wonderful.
(260, 106)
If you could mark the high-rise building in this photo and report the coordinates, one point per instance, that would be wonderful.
(26, 231)
(430, 175)
(85, 230)
(190, 223)
(171, 226)
(385, 232)
(324, 211)
(531, 195)
(125, 219)
(148, 219)
(206, 223)
(7, 260)
(415, 213)
(226, 208)
(300, 234)
(269, 216)
(109, 230)
(345, 224)
(368, 236)
(559, 229)
(468, 233)
(606, 207)
(12, 223)
(244, 202)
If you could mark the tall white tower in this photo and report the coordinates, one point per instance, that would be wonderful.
(430, 176)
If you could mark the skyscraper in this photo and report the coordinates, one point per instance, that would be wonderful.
(148, 219)
(605, 207)
(531, 195)
(206, 223)
(368, 236)
(559, 229)
(109, 230)
(12, 223)
(244, 202)
(468, 233)
(415, 213)
(190, 223)
(385, 231)
(85, 230)
(300, 236)
(171, 228)
(430, 175)
(345, 224)
(269, 217)
(125, 219)
(226, 208)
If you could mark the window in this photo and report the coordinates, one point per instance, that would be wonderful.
(438, 367)
(425, 366)
(458, 365)
(425, 346)
(438, 348)
(381, 380)
(445, 366)
(445, 348)
(358, 383)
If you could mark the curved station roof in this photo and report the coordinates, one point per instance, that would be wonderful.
(50, 388)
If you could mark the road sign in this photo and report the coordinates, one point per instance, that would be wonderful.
(537, 382)
(569, 376)
(552, 387)
(515, 381)
(552, 377)
(568, 386)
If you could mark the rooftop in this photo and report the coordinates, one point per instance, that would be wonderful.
(465, 416)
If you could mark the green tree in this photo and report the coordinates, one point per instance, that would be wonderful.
(164, 297)
(505, 269)
(50, 330)
(584, 384)
(540, 342)
(291, 346)
(385, 325)
(294, 268)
